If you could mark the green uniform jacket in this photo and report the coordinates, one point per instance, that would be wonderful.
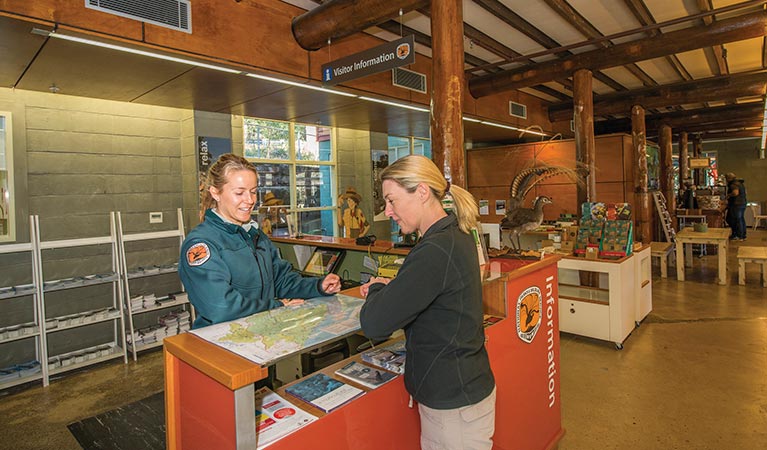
(437, 299)
(231, 273)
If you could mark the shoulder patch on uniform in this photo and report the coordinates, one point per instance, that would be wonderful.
(197, 254)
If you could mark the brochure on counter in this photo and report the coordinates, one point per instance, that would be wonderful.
(365, 375)
(276, 417)
(324, 392)
(390, 357)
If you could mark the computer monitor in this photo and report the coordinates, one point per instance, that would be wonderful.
(323, 261)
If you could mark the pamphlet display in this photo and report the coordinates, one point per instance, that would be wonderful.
(324, 392)
(276, 417)
(390, 357)
(365, 375)
(606, 230)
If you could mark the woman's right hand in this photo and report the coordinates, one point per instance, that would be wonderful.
(366, 287)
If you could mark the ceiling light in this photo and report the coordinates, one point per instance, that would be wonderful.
(135, 51)
(301, 85)
(400, 105)
(469, 119)
(509, 127)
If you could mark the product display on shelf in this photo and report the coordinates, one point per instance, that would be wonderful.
(605, 231)
(174, 321)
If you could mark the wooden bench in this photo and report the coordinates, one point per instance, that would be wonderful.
(662, 250)
(756, 255)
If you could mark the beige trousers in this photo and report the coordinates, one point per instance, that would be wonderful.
(467, 428)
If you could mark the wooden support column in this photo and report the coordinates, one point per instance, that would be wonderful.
(684, 163)
(697, 149)
(447, 89)
(583, 120)
(667, 171)
(642, 207)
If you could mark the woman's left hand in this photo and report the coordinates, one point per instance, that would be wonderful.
(292, 301)
(331, 284)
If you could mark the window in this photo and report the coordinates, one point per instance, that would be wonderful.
(398, 148)
(422, 147)
(296, 166)
(7, 232)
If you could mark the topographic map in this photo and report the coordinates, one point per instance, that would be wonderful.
(269, 335)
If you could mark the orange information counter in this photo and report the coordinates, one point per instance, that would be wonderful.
(210, 396)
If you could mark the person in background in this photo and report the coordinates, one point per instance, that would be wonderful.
(229, 267)
(687, 198)
(352, 219)
(437, 299)
(736, 206)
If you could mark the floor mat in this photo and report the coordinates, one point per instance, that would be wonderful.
(138, 425)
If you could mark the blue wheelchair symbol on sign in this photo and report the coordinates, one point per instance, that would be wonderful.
(328, 74)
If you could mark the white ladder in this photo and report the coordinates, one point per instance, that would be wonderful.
(665, 217)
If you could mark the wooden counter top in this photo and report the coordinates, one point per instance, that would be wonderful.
(378, 246)
(227, 368)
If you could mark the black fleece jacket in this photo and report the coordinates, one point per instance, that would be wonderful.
(437, 299)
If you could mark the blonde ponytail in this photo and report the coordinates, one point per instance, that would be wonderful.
(411, 170)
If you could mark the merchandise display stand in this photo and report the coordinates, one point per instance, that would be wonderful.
(162, 303)
(209, 391)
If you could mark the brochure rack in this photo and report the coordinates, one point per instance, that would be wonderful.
(137, 305)
(109, 311)
(20, 371)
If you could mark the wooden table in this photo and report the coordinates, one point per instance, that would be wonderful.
(756, 255)
(718, 236)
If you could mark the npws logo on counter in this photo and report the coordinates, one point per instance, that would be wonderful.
(529, 305)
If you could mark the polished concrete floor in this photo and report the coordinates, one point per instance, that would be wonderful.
(692, 376)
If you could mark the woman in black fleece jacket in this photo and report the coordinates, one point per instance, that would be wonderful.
(437, 299)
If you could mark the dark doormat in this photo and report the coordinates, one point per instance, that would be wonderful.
(138, 425)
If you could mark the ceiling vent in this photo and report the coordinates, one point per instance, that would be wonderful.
(409, 80)
(518, 110)
(173, 14)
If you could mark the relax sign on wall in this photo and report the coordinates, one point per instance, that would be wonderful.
(374, 60)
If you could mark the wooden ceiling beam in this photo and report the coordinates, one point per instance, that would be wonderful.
(719, 65)
(516, 21)
(336, 19)
(731, 134)
(585, 27)
(682, 93)
(502, 12)
(729, 30)
(685, 118)
(645, 17)
(737, 125)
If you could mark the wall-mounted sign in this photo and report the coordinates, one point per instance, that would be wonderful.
(700, 163)
(374, 60)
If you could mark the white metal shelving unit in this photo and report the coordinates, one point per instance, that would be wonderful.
(55, 364)
(29, 330)
(131, 274)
